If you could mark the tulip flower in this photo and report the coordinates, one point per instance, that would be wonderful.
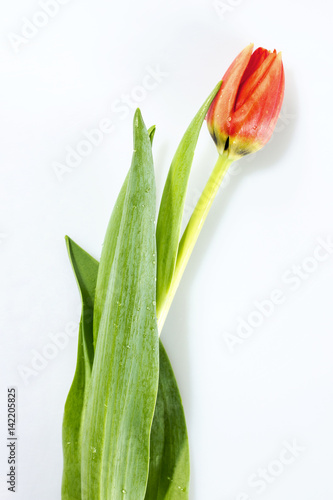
(244, 113)
(124, 430)
(241, 120)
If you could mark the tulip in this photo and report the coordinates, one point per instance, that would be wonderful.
(242, 117)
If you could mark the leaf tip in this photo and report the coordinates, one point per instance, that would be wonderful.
(138, 120)
(151, 132)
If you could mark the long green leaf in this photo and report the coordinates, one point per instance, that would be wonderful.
(109, 248)
(169, 469)
(124, 379)
(85, 270)
(169, 452)
(172, 204)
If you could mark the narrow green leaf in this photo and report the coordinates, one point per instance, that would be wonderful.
(151, 133)
(124, 379)
(85, 270)
(169, 454)
(108, 251)
(169, 469)
(169, 451)
(172, 204)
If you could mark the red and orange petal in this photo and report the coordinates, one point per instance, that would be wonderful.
(258, 115)
(247, 88)
(223, 104)
(257, 58)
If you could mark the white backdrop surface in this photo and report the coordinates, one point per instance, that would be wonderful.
(259, 411)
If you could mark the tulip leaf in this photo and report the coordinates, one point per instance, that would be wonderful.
(169, 469)
(124, 379)
(172, 204)
(169, 451)
(108, 252)
(85, 270)
(151, 133)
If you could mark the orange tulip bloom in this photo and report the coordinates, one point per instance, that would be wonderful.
(243, 114)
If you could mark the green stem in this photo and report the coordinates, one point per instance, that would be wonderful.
(192, 232)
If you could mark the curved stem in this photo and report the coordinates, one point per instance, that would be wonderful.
(192, 232)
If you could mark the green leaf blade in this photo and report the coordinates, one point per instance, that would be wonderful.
(169, 450)
(109, 248)
(169, 470)
(124, 380)
(172, 204)
(85, 270)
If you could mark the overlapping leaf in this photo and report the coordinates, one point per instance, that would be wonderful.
(108, 456)
(173, 200)
(109, 248)
(85, 270)
(124, 379)
(169, 469)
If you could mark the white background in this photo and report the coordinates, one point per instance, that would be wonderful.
(277, 385)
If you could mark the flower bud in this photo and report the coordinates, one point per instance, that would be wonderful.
(242, 116)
